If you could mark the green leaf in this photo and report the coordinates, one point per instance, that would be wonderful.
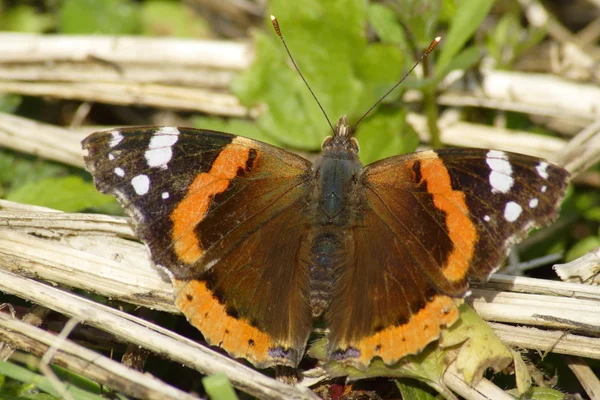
(73, 378)
(464, 60)
(481, 348)
(385, 135)
(170, 18)
(420, 18)
(33, 382)
(582, 246)
(522, 377)
(502, 37)
(218, 387)
(379, 70)
(99, 16)
(509, 39)
(412, 390)
(586, 200)
(540, 393)
(345, 74)
(17, 170)
(468, 17)
(9, 103)
(25, 18)
(70, 193)
(448, 9)
(291, 110)
(592, 214)
(384, 23)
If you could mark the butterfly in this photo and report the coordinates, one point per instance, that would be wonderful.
(260, 243)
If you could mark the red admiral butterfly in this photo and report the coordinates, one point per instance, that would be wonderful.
(259, 242)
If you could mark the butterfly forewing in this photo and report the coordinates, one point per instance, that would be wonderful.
(119, 162)
(502, 195)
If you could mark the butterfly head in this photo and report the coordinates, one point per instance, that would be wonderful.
(342, 138)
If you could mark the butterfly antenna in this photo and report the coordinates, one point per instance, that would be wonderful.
(425, 54)
(278, 31)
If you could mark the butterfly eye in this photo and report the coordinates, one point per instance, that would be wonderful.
(326, 141)
(354, 144)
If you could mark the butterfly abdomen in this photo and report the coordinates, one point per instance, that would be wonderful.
(326, 254)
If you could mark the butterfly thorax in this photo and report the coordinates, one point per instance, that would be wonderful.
(334, 197)
(336, 172)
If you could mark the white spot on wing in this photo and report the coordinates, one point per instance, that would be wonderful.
(533, 203)
(116, 138)
(111, 156)
(119, 172)
(165, 195)
(159, 151)
(512, 211)
(501, 176)
(544, 188)
(486, 218)
(542, 169)
(141, 184)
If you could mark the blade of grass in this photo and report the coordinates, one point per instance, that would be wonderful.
(26, 376)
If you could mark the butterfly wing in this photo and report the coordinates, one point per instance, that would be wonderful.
(212, 208)
(439, 218)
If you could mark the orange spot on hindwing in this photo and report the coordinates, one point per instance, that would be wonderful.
(395, 342)
(235, 335)
(193, 208)
(461, 229)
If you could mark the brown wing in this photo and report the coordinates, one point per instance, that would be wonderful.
(432, 220)
(213, 209)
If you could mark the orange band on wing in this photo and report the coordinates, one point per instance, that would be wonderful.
(395, 342)
(194, 206)
(461, 229)
(236, 336)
